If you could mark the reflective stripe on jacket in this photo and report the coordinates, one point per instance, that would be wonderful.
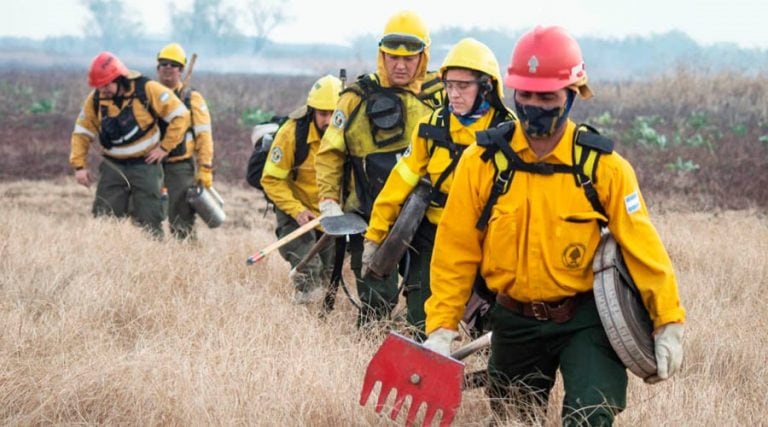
(291, 193)
(199, 139)
(166, 105)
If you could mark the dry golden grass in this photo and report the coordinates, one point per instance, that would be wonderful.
(102, 325)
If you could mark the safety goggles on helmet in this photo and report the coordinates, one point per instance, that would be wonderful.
(393, 43)
(173, 64)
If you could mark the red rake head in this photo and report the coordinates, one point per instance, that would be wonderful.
(402, 365)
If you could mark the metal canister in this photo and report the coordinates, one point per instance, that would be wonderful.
(208, 204)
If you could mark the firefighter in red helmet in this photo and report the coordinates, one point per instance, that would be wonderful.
(122, 114)
(526, 209)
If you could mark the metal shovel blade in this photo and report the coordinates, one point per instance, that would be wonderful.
(341, 225)
(403, 365)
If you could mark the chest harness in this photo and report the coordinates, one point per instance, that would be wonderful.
(386, 116)
(437, 131)
(587, 148)
(123, 129)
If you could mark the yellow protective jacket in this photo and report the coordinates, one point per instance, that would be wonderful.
(542, 235)
(198, 139)
(423, 157)
(166, 106)
(349, 135)
(292, 188)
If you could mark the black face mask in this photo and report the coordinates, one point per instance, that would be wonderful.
(538, 122)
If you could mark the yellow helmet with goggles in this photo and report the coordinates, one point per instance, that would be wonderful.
(405, 34)
(472, 54)
(173, 52)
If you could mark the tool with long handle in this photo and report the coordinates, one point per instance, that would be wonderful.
(428, 377)
(188, 76)
(288, 238)
(321, 244)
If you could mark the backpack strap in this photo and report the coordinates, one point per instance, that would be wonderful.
(438, 132)
(302, 147)
(494, 140)
(440, 135)
(140, 92)
(432, 92)
(95, 101)
(187, 100)
(362, 87)
(587, 148)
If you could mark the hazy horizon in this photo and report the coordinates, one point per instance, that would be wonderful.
(705, 21)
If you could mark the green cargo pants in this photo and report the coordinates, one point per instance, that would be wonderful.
(526, 353)
(378, 297)
(318, 270)
(131, 187)
(179, 177)
(417, 289)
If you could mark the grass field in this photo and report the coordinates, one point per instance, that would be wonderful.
(101, 325)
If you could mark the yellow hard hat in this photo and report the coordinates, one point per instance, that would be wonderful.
(324, 94)
(405, 34)
(474, 55)
(173, 52)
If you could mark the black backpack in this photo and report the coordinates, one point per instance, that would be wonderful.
(262, 146)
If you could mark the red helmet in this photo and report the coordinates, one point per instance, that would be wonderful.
(105, 68)
(545, 59)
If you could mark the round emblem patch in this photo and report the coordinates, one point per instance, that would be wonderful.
(277, 155)
(573, 255)
(339, 119)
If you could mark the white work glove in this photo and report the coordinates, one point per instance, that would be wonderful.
(668, 345)
(369, 249)
(329, 207)
(440, 340)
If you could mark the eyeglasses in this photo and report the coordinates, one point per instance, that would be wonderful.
(460, 85)
(394, 42)
(168, 64)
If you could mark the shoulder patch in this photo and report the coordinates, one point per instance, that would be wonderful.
(277, 155)
(81, 116)
(339, 119)
(164, 97)
(632, 202)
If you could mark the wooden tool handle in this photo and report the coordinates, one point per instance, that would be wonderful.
(190, 67)
(288, 238)
(321, 243)
(474, 346)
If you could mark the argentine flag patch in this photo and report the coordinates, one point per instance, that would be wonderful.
(164, 97)
(632, 202)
